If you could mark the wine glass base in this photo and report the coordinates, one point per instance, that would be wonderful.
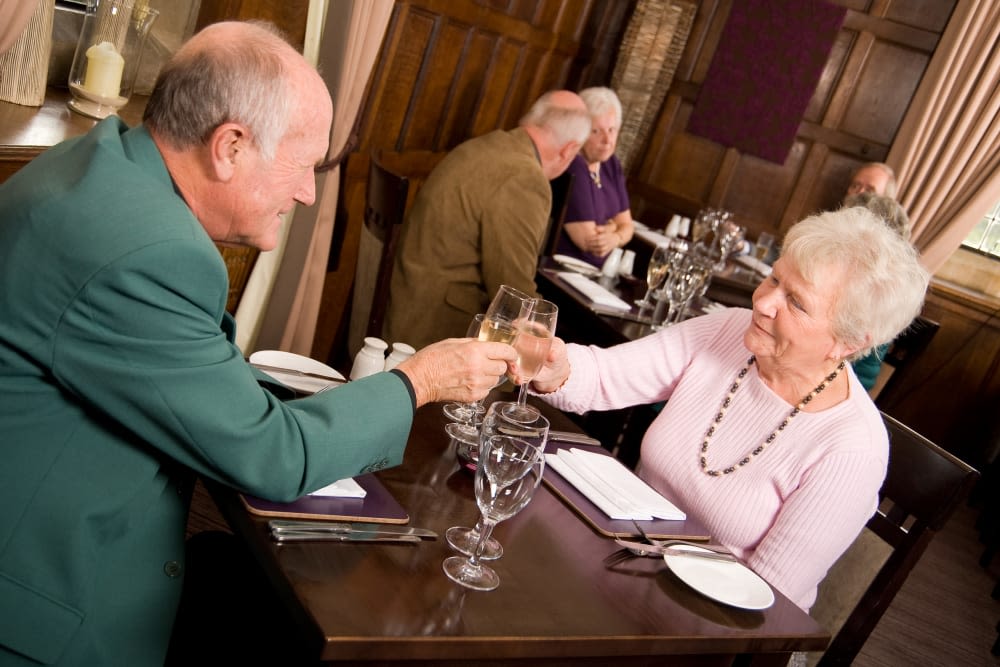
(466, 439)
(464, 540)
(461, 412)
(477, 577)
(645, 303)
(521, 413)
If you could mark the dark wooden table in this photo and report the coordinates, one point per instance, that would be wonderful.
(556, 604)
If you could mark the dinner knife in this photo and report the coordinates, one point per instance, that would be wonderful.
(316, 536)
(294, 371)
(285, 525)
(649, 549)
(569, 436)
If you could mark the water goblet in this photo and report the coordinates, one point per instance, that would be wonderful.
(535, 330)
(496, 422)
(506, 478)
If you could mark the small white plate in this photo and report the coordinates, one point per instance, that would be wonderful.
(730, 583)
(577, 265)
(296, 362)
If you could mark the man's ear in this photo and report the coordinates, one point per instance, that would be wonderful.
(569, 150)
(228, 144)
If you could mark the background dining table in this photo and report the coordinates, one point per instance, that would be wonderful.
(557, 604)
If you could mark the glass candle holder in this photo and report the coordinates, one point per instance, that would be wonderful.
(107, 55)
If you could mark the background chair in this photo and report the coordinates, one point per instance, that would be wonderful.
(891, 385)
(923, 487)
(385, 208)
(561, 186)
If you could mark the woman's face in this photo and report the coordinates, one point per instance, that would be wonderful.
(792, 318)
(603, 138)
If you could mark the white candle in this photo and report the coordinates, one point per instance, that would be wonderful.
(104, 70)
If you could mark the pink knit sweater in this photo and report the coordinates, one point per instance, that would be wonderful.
(793, 509)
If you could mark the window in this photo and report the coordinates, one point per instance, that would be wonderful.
(985, 236)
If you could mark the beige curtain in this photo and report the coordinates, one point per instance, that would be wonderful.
(947, 151)
(14, 15)
(352, 38)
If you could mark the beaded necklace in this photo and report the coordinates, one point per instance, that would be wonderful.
(727, 401)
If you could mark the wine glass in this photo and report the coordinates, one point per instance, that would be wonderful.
(465, 413)
(507, 475)
(496, 422)
(536, 327)
(500, 322)
(655, 273)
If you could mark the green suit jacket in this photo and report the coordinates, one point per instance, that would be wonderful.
(478, 222)
(118, 384)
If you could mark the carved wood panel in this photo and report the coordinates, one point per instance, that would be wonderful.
(450, 71)
(873, 70)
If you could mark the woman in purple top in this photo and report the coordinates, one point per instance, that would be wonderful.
(598, 218)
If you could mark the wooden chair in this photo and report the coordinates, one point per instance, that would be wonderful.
(923, 487)
(385, 208)
(561, 186)
(891, 385)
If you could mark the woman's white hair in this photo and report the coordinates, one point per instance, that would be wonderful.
(601, 100)
(883, 284)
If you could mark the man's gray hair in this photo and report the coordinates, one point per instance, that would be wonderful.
(601, 100)
(243, 82)
(884, 207)
(891, 186)
(565, 124)
(884, 283)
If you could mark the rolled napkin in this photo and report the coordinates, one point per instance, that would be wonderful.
(651, 236)
(615, 489)
(342, 488)
(753, 264)
(593, 291)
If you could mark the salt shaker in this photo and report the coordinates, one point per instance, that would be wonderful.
(610, 268)
(370, 359)
(400, 351)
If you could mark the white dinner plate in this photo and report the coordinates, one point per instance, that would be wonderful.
(297, 362)
(727, 582)
(578, 265)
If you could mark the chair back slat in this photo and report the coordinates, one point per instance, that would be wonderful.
(385, 208)
(924, 485)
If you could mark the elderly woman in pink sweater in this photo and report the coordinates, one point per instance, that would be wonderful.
(767, 437)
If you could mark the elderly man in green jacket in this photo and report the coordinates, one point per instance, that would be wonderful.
(118, 373)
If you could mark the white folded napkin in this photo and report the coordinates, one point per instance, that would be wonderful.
(599, 295)
(342, 488)
(753, 264)
(615, 489)
(651, 235)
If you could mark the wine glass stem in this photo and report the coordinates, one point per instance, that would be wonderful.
(522, 395)
(485, 530)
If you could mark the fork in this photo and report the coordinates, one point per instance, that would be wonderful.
(670, 543)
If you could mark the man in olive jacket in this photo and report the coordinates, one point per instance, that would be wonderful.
(479, 221)
(117, 371)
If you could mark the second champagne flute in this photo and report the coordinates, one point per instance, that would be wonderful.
(535, 330)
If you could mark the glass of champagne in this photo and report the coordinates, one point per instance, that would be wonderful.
(510, 469)
(496, 423)
(655, 273)
(535, 330)
(464, 414)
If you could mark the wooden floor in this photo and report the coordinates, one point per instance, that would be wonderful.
(943, 615)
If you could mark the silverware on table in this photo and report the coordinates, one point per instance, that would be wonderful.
(294, 371)
(316, 536)
(676, 548)
(568, 436)
(288, 526)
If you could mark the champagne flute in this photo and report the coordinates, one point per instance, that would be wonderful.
(465, 413)
(508, 473)
(535, 330)
(495, 423)
(655, 273)
(500, 323)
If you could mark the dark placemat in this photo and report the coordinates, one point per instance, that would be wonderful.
(688, 529)
(378, 506)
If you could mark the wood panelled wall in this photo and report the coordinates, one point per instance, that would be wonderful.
(453, 69)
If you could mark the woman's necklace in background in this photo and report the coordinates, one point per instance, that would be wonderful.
(727, 401)
(595, 175)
